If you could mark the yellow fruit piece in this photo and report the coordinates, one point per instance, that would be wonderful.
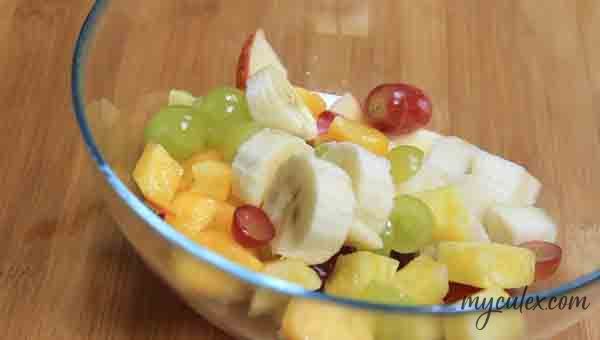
(212, 178)
(315, 103)
(188, 177)
(224, 244)
(157, 175)
(235, 201)
(224, 217)
(191, 213)
(487, 265)
(453, 222)
(413, 327)
(423, 280)
(508, 325)
(353, 273)
(344, 130)
(311, 320)
(266, 301)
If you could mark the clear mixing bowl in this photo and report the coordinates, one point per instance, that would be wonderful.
(130, 53)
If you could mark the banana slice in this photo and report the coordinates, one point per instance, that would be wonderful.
(373, 187)
(311, 204)
(274, 102)
(258, 159)
(516, 225)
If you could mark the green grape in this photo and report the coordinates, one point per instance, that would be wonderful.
(236, 135)
(177, 130)
(412, 223)
(222, 108)
(406, 161)
(380, 292)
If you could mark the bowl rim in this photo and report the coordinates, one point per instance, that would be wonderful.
(159, 226)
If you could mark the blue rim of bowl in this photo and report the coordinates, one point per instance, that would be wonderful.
(164, 230)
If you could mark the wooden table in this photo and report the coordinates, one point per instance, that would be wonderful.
(65, 270)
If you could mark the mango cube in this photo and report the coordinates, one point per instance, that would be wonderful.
(345, 130)
(157, 175)
(224, 217)
(212, 178)
(191, 213)
(424, 280)
(353, 273)
(188, 177)
(487, 265)
(508, 325)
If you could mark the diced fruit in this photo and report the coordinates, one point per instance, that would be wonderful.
(181, 97)
(179, 131)
(547, 258)
(423, 280)
(488, 265)
(311, 320)
(157, 175)
(274, 103)
(313, 101)
(265, 301)
(452, 155)
(201, 278)
(452, 219)
(349, 107)
(345, 130)
(413, 327)
(398, 108)
(422, 139)
(236, 137)
(188, 177)
(325, 269)
(354, 272)
(252, 228)
(212, 178)
(516, 225)
(508, 325)
(427, 178)
(192, 213)
(385, 293)
(406, 162)
(412, 224)
(224, 217)
(457, 292)
(256, 54)
(512, 183)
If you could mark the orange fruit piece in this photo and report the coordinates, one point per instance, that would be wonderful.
(315, 103)
(344, 130)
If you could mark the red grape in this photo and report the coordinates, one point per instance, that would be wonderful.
(252, 228)
(547, 258)
(324, 121)
(458, 291)
(398, 108)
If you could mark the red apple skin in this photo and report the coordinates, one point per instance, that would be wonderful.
(397, 109)
(243, 67)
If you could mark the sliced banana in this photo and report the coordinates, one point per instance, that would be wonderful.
(311, 204)
(373, 188)
(274, 102)
(258, 159)
(516, 225)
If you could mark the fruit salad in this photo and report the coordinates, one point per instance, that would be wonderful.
(357, 200)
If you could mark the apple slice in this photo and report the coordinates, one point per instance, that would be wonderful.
(256, 54)
(348, 106)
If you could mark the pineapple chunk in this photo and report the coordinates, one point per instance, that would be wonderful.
(508, 325)
(212, 178)
(422, 139)
(191, 213)
(311, 320)
(486, 265)
(452, 155)
(345, 130)
(157, 175)
(424, 280)
(224, 217)
(188, 176)
(201, 278)
(265, 301)
(353, 273)
(453, 221)
(413, 327)
(517, 225)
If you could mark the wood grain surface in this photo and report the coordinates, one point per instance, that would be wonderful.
(67, 273)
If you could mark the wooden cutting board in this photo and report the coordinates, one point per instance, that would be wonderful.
(65, 270)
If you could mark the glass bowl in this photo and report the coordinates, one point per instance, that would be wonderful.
(130, 53)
